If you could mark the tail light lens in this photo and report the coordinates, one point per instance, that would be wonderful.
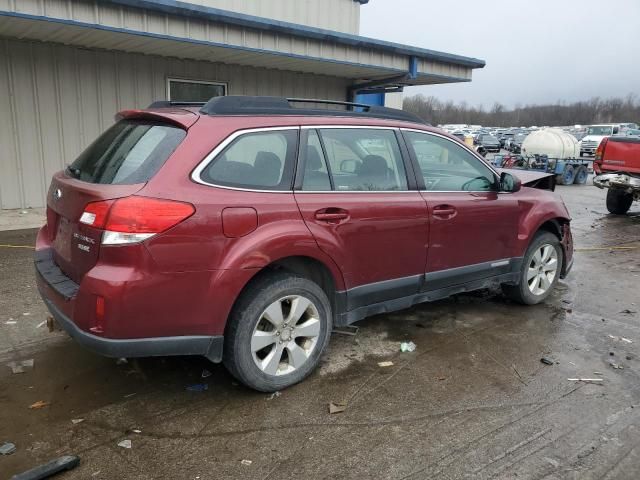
(600, 150)
(134, 219)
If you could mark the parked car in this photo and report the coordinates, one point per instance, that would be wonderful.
(595, 133)
(514, 144)
(505, 137)
(617, 165)
(246, 229)
(489, 143)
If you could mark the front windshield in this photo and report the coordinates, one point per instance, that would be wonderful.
(599, 130)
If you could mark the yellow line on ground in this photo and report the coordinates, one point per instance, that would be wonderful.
(593, 249)
(17, 246)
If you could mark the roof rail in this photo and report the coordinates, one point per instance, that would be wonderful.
(250, 105)
(169, 104)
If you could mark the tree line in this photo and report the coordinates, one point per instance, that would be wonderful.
(595, 110)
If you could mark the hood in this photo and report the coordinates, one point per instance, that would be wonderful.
(531, 178)
(593, 138)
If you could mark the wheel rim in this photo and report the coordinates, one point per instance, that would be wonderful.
(543, 269)
(286, 335)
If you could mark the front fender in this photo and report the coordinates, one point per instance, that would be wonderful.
(537, 208)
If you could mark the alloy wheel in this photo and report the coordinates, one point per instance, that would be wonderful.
(543, 269)
(286, 335)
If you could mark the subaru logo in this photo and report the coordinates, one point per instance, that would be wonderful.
(57, 194)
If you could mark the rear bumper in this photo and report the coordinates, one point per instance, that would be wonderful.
(621, 181)
(59, 293)
(207, 346)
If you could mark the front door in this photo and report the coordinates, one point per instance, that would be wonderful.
(360, 210)
(473, 227)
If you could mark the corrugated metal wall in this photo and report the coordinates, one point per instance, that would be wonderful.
(339, 15)
(55, 99)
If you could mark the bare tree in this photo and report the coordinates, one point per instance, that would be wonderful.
(594, 110)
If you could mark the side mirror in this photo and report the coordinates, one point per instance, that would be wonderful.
(509, 183)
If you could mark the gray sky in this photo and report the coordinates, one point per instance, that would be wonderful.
(536, 51)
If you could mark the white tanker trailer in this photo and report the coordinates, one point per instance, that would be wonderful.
(551, 150)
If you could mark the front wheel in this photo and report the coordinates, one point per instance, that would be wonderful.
(277, 332)
(540, 270)
(618, 201)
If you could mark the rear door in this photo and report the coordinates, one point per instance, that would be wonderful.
(357, 200)
(116, 165)
(473, 228)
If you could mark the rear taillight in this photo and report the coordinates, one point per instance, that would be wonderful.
(600, 150)
(134, 219)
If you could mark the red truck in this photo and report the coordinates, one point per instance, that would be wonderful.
(617, 165)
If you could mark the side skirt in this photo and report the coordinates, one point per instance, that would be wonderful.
(434, 286)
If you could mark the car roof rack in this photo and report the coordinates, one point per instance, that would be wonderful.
(258, 105)
(169, 104)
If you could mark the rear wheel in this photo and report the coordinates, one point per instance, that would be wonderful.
(581, 175)
(277, 332)
(567, 175)
(618, 201)
(540, 270)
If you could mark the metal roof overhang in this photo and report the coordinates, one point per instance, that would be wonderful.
(90, 35)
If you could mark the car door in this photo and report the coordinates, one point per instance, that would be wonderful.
(354, 195)
(473, 228)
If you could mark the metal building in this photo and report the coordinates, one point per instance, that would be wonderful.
(67, 66)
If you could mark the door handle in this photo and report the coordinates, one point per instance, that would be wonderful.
(444, 211)
(331, 215)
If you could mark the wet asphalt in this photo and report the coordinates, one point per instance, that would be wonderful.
(473, 400)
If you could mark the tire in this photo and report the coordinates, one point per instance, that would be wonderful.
(249, 327)
(567, 175)
(618, 201)
(525, 293)
(582, 174)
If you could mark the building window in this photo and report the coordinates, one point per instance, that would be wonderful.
(180, 90)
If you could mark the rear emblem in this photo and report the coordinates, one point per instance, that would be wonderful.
(57, 194)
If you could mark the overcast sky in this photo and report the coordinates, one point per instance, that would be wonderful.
(536, 50)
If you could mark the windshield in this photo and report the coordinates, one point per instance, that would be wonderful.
(129, 152)
(600, 130)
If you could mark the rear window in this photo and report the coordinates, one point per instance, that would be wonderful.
(131, 151)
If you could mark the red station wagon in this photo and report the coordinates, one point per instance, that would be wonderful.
(245, 230)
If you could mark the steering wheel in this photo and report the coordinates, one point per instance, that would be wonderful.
(467, 184)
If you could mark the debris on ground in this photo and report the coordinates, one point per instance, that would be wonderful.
(441, 378)
(39, 404)
(617, 366)
(348, 330)
(274, 395)
(7, 448)
(10, 322)
(68, 462)
(628, 312)
(197, 387)
(76, 421)
(620, 339)
(26, 314)
(337, 407)
(19, 367)
(125, 443)
(629, 357)
(420, 325)
(41, 324)
(136, 430)
(385, 364)
(206, 373)
(246, 462)
(546, 361)
(122, 361)
(597, 373)
(407, 347)
(585, 379)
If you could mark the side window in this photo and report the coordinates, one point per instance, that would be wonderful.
(364, 159)
(447, 166)
(316, 176)
(258, 160)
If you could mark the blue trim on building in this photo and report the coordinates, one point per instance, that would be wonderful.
(413, 67)
(175, 7)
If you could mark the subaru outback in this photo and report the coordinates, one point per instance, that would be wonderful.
(245, 229)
